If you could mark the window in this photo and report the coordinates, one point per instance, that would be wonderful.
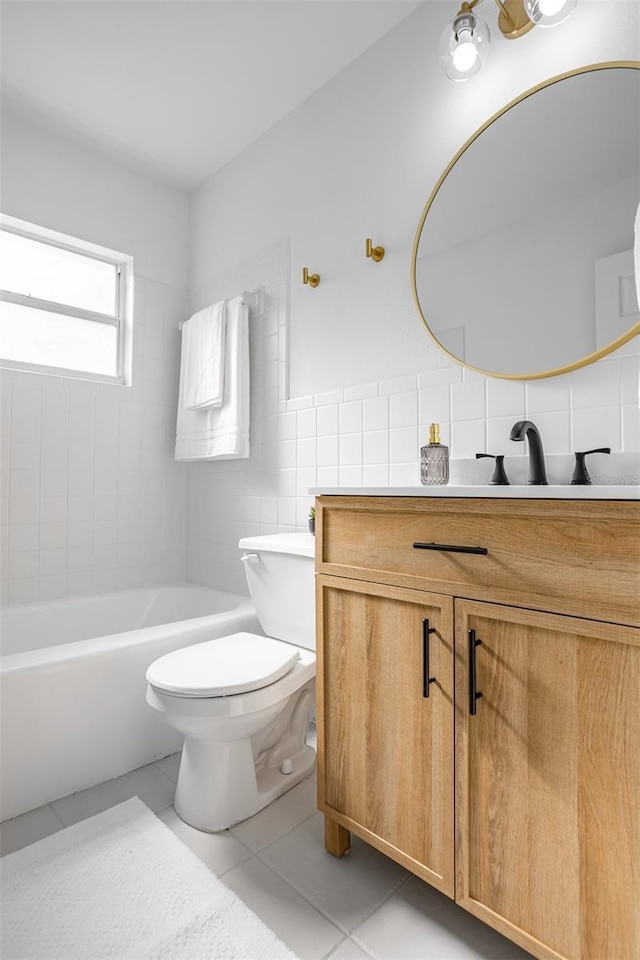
(65, 305)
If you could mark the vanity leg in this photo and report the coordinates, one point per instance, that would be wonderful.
(337, 839)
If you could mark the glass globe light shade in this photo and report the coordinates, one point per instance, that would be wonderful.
(547, 13)
(464, 46)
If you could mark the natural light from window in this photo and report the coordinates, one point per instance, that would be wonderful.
(65, 305)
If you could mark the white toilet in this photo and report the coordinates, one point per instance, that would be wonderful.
(243, 701)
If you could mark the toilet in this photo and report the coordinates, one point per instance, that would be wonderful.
(243, 701)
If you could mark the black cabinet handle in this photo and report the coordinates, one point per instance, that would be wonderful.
(426, 679)
(473, 693)
(449, 548)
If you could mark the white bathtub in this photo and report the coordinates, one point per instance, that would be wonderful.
(72, 684)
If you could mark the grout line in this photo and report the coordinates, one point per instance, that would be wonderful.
(333, 950)
(267, 846)
(56, 814)
(401, 883)
(156, 764)
(250, 852)
(331, 953)
(299, 893)
(319, 909)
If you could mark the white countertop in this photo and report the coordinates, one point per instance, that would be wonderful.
(512, 491)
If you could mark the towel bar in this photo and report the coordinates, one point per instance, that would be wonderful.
(253, 299)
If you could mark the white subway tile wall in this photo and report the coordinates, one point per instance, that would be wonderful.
(92, 498)
(370, 434)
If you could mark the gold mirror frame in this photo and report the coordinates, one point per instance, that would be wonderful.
(567, 368)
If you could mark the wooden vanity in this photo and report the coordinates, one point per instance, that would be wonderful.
(479, 706)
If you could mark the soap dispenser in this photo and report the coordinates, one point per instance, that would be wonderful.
(434, 459)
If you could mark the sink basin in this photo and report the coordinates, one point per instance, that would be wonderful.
(513, 491)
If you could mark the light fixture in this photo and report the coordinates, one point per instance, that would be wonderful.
(464, 44)
(547, 13)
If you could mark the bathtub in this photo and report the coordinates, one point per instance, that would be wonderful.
(72, 684)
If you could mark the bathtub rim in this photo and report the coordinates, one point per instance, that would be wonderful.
(94, 646)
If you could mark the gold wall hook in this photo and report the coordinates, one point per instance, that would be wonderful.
(313, 279)
(376, 253)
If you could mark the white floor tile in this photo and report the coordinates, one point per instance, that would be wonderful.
(170, 766)
(28, 828)
(153, 787)
(419, 923)
(345, 889)
(308, 934)
(219, 851)
(281, 816)
(348, 950)
(276, 863)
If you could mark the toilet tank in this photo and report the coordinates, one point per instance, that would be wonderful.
(280, 571)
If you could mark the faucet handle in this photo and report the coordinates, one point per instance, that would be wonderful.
(499, 477)
(580, 473)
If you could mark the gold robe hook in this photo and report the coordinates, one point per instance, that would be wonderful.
(376, 253)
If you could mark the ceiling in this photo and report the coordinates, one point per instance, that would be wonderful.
(177, 88)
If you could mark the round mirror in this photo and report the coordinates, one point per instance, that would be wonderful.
(523, 261)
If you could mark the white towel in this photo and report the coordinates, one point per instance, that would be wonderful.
(203, 338)
(220, 433)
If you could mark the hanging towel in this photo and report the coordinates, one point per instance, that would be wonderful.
(203, 338)
(220, 433)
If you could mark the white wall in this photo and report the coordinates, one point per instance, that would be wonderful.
(92, 499)
(359, 159)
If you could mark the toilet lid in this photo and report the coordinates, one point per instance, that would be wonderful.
(222, 667)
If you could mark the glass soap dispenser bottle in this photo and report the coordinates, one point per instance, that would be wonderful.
(434, 459)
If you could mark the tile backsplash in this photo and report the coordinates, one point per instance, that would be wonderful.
(370, 434)
(93, 499)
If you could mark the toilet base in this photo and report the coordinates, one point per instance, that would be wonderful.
(223, 788)
(223, 781)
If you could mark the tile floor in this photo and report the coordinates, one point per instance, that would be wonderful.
(363, 905)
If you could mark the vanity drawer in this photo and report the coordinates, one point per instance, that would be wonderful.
(574, 557)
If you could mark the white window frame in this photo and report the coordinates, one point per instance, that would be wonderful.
(122, 319)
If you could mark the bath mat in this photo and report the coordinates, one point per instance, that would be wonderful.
(121, 886)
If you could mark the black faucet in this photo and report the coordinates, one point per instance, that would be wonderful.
(528, 429)
(499, 474)
(580, 472)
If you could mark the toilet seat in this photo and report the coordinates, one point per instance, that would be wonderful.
(237, 663)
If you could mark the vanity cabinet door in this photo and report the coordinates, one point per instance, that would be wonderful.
(548, 780)
(385, 733)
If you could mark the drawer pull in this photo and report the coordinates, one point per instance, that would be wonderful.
(450, 548)
(473, 693)
(426, 679)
